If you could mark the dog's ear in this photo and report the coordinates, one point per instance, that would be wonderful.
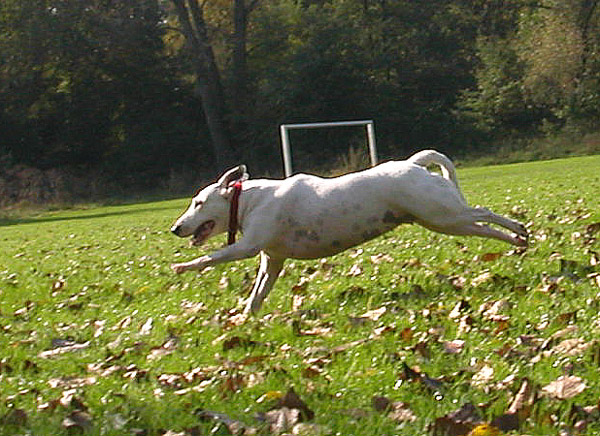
(227, 180)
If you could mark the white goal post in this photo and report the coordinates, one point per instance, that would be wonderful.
(285, 139)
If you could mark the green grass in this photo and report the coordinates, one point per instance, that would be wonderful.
(95, 276)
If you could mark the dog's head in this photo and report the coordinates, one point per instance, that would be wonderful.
(208, 214)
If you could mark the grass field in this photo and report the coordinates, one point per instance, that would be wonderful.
(414, 333)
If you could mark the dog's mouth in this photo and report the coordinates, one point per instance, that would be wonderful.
(202, 232)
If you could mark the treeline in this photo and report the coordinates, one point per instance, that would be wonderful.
(139, 91)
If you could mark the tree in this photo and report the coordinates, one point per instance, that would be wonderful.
(208, 78)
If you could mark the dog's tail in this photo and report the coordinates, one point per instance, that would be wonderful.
(430, 157)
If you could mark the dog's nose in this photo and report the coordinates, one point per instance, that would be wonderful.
(176, 229)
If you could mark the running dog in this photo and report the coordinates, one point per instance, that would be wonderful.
(308, 217)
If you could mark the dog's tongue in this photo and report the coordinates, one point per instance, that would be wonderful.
(202, 232)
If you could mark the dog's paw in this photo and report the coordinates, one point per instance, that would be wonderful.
(178, 267)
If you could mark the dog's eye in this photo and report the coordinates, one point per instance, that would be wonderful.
(197, 204)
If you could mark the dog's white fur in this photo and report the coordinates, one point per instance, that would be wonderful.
(307, 217)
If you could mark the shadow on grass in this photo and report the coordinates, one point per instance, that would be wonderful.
(8, 221)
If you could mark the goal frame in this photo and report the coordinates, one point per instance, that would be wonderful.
(285, 138)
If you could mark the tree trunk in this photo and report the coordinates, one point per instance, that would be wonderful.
(240, 67)
(208, 79)
(241, 89)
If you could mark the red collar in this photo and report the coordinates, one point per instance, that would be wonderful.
(233, 212)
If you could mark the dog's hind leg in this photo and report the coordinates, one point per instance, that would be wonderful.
(485, 231)
(468, 224)
(268, 273)
(481, 214)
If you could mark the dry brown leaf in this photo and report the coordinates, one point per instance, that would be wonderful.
(291, 400)
(147, 327)
(232, 384)
(71, 382)
(459, 308)
(564, 387)
(234, 426)
(356, 270)
(282, 420)
(381, 257)
(165, 349)
(491, 309)
(396, 410)
(68, 347)
(488, 257)
(457, 423)
(77, 421)
(485, 277)
(123, 324)
(519, 409)
(484, 376)
(297, 301)
(374, 314)
(592, 229)
(382, 330)
(572, 347)
(454, 347)
(301, 286)
(309, 429)
(29, 305)
(400, 412)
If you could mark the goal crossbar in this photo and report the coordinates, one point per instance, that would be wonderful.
(285, 138)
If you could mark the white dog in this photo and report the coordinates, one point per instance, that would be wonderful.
(307, 217)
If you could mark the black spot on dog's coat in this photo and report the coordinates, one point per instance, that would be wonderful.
(391, 218)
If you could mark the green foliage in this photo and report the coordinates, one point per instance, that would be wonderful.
(86, 84)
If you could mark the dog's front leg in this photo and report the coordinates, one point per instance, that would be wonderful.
(240, 250)
(265, 279)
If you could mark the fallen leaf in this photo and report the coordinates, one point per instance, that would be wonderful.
(301, 286)
(297, 301)
(400, 412)
(591, 229)
(458, 310)
(488, 257)
(309, 429)
(457, 423)
(454, 347)
(381, 257)
(375, 314)
(564, 387)
(484, 376)
(234, 426)
(71, 382)
(147, 327)
(485, 277)
(77, 421)
(524, 399)
(282, 420)
(64, 347)
(123, 324)
(291, 400)
(356, 270)
(232, 384)
(572, 347)
(165, 349)
(396, 410)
